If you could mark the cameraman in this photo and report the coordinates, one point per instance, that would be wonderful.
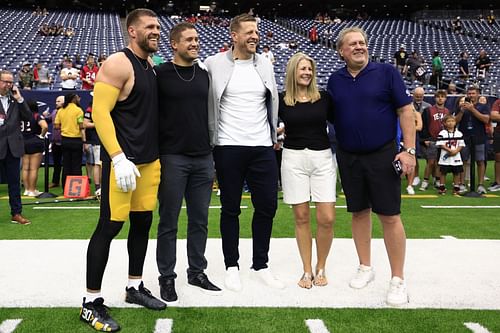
(472, 117)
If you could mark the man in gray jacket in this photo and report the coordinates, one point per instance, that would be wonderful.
(243, 113)
(13, 109)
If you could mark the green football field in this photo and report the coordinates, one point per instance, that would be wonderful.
(420, 223)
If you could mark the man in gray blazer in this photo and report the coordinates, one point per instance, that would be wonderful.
(13, 109)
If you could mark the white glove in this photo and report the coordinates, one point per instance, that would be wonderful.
(125, 173)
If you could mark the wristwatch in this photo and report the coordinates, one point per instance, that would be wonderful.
(410, 151)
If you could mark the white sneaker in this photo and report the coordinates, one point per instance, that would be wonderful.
(36, 193)
(410, 190)
(424, 186)
(494, 188)
(218, 193)
(232, 280)
(416, 181)
(462, 189)
(26, 192)
(265, 276)
(363, 276)
(397, 294)
(481, 189)
(98, 194)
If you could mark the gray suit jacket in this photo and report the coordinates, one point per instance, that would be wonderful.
(10, 131)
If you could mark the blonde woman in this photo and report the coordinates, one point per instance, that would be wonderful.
(307, 167)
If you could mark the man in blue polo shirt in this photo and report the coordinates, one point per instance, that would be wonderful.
(368, 98)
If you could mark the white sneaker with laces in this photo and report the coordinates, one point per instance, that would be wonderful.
(265, 276)
(424, 186)
(416, 181)
(232, 280)
(410, 190)
(397, 294)
(481, 189)
(363, 276)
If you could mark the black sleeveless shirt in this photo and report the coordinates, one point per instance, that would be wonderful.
(136, 117)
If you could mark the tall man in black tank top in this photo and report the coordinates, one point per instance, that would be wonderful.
(187, 169)
(125, 111)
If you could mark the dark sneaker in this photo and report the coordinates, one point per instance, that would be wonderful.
(143, 297)
(167, 291)
(200, 280)
(96, 315)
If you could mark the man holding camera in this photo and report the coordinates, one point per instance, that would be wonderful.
(13, 109)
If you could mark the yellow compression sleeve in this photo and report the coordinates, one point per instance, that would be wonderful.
(105, 98)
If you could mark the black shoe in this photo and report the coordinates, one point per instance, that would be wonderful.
(200, 280)
(143, 297)
(96, 315)
(167, 291)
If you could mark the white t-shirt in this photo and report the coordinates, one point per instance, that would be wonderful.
(268, 55)
(69, 83)
(243, 113)
(452, 140)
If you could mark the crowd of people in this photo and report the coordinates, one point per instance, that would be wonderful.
(162, 132)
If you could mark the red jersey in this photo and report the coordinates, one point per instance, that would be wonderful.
(88, 73)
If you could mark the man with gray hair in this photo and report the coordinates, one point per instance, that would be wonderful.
(368, 98)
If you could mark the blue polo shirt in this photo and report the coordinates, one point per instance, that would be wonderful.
(470, 125)
(365, 106)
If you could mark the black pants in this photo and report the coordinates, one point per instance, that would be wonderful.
(57, 160)
(72, 152)
(256, 165)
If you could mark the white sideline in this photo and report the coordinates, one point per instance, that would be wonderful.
(9, 325)
(440, 273)
(316, 326)
(476, 328)
(163, 326)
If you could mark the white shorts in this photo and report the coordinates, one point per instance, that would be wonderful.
(308, 175)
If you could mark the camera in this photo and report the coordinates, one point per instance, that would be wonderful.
(467, 99)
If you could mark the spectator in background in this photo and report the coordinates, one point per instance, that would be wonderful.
(157, 59)
(452, 89)
(463, 66)
(313, 35)
(450, 142)
(400, 58)
(69, 76)
(225, 47)
(77, 62)
(89, 73)
(495, 116)
(70, 120)
(13, 109)
(101, 59)
(34, 131)
(472, 117)
(432, 121)
(437, 70)
(307, 168)
(457, 25)
(25, 77)
(55, 140)
(415, 65)
(266, 53)
(419, 105)
(42, 76)
(483, 64)
(92, 150)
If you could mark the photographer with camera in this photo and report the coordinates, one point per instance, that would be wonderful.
(13, 109)
(472, 116)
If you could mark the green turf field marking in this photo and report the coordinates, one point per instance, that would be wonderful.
(164, 326)
(316, 326)
(9, 325)
(476, 328)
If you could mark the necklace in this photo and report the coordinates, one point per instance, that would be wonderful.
(140, 62)
(183, 79)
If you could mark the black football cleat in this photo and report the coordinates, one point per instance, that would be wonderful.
(96, 315)
(143, 297)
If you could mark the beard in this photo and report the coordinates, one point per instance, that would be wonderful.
(144, 45)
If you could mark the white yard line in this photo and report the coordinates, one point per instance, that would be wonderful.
(163, 326)
(461, 207)
(476, 328)
(447, 237)
(9, 325)
(316, 326)
(438, 274)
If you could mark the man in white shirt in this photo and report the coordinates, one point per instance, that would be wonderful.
(266, 53)
(243, 114)
(69, 76)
